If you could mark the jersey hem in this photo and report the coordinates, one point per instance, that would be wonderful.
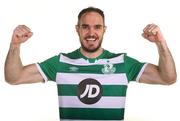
(141, 72)
(42, 73)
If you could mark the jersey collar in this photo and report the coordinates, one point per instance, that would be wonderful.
(91, 60)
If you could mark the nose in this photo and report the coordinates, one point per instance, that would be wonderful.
(91, 30)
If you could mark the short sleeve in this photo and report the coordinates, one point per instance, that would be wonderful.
(48, 68)
(134, 68)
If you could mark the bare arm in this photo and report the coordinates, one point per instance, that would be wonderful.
(15, 72)
(165, 72)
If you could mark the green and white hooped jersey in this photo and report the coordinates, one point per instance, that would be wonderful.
(91, 89)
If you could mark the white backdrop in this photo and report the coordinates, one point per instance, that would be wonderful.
(53, 24)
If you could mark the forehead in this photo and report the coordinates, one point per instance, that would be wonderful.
(91, 18)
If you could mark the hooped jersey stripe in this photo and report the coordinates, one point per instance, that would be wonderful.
(92, 114)
(81, 61)
(104, 79)
(108, 90)
(105, 102)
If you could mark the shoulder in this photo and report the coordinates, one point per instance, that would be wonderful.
(73, 55)
(109, 54)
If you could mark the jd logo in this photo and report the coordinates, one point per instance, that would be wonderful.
(89, 91)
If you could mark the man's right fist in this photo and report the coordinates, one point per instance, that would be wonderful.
(21, 34)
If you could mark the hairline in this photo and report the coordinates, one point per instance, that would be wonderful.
(89, 10)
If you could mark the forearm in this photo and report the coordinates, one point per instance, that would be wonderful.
(166, 66)
(13, 64)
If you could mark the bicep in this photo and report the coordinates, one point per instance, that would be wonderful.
(151, 75)
(30, 74)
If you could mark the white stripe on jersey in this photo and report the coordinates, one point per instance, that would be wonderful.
(81, 61)
(104, 79)
(104, 102)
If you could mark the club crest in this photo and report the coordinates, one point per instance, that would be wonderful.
(108, 69)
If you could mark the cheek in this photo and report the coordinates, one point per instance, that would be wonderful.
(100, 33)
(82, 34)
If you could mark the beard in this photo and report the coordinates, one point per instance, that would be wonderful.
(91, 49)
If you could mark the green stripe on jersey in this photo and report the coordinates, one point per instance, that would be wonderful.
(94, 69)
(91, 114)
(108, 90)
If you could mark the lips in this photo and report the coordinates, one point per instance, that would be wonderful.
(91, 38)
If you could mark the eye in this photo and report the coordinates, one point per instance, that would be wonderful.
(84, 26)
(98, 27)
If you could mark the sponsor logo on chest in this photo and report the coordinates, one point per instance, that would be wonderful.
(89, 91)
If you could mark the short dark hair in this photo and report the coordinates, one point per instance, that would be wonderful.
(91, 9)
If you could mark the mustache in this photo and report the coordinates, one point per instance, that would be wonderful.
(90, 37)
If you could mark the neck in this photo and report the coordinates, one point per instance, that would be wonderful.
(92, 54)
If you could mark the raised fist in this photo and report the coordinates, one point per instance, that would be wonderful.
(153, 33)
(21, 34)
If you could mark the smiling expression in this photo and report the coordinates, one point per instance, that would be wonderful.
(91, 29)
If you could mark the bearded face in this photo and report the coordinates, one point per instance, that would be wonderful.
(91, 30)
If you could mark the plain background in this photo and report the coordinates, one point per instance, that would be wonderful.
(53, 24)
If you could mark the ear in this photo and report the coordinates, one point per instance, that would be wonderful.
(105, 27)
(77, 28)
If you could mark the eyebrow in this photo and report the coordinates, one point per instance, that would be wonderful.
(94, 25)
(84, 25)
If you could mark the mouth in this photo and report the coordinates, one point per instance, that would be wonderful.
(91, 43)
(91, 39)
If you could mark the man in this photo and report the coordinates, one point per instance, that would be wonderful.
(91, 81)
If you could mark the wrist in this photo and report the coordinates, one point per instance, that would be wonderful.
(14, 45)
(162, 46)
